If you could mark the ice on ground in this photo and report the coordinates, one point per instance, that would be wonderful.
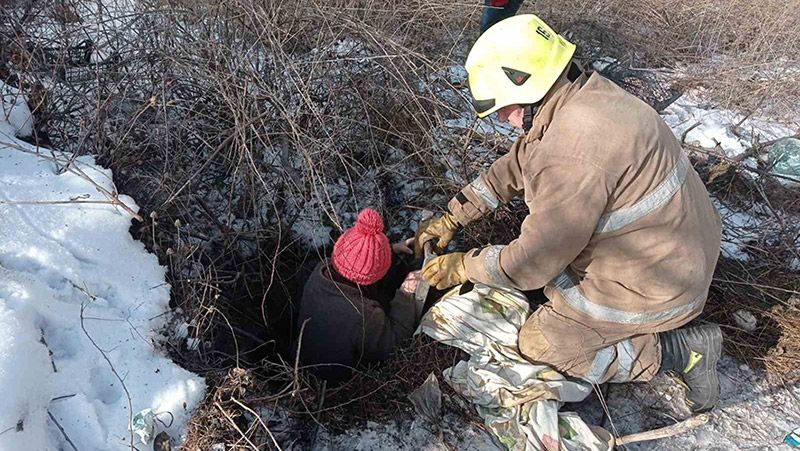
(710, 127)
(16, 119)
(753, 413)
(739, 227)
(77, 289)
(409, 434)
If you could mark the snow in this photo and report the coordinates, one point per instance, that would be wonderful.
(313, 217)
(409, 434)
(753, 413)
(16, 119)
(745, 395)
(715, 126)
(489, 126)
(75, 290)
(739, 227)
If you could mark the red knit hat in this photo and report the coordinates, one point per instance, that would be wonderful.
(363, 254)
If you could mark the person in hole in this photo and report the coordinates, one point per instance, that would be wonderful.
(358, 306)
(621, 232)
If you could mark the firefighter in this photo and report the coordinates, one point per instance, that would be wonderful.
(621, 232)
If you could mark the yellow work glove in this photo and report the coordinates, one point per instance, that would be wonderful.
(445, 271)
(441, 229)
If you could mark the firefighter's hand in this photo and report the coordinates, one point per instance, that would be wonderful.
(441, 229)
(445, 271)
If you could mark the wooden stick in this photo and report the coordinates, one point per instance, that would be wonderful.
(63, 432)
(297, 358)
(235, 426)
(686, 132)
(111, 365)
(258, 417)
(667, 431)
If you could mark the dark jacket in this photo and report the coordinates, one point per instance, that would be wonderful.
(346, 328)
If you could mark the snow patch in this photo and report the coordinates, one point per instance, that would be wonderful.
(738, 228)
(409, 434)
(16, 119)
(75, 289)
(753, 413)
(710, 127)
(745, 395)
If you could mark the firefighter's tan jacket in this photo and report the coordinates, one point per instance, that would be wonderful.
(621, 228)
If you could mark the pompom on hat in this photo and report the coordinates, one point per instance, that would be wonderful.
(363, 254)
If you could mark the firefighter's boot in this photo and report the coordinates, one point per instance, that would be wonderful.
(692, 354)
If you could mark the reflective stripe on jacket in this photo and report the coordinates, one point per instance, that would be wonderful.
(621, 228)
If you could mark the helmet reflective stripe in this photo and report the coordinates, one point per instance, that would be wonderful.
(516, 61)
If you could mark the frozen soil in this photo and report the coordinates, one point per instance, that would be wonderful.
(753, 414)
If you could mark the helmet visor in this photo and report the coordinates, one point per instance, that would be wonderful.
(482, 106)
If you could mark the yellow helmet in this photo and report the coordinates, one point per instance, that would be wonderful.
(516, 61)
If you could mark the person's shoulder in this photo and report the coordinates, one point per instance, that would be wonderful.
(601, 100)
(320, 287)
(600, 115)
(330, 295)
(317, 276)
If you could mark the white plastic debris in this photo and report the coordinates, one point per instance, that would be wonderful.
(745, 320)
(144, 425)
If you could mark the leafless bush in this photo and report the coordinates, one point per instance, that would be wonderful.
(244, 129)
(745, 52)
(755, 273)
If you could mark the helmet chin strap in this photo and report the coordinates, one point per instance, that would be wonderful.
(530, 109)
(527, 117)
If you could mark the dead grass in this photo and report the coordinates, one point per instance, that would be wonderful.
(744, 52)
(229, 122)
(294, 410)
(382, 392)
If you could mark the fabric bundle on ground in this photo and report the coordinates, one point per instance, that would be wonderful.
(518, 401)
